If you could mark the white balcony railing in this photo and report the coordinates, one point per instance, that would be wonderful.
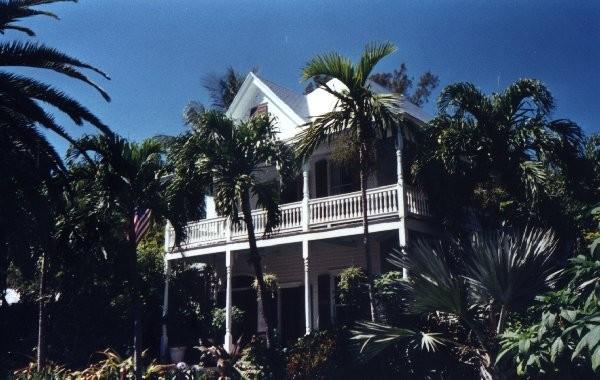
(328, 211)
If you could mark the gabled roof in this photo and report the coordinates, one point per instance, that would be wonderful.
(289, 101)
(295, 105)
(296, 101)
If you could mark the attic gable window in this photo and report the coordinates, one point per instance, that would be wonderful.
(260, 109)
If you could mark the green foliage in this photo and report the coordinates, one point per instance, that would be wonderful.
(504, 271)
(399, 82)
(357, 104)
(271, 286)
(191, 301)
(360, 115)
(112, 366)
(216, 356)
(353, 294)
(562, 336)
(260, 362)
(594, 236)
(315, 356)
(218, 320)
(501, 156)
(389, 297)
(232, 157)
(223, 88)
(32, 221)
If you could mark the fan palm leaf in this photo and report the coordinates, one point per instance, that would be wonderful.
(433, 285)
(373, 338)
(511, 268)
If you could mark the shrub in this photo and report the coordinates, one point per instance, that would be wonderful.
(111, 366)
(315, 356)
(388, 297)
(218, 321)
(259, 362)
(353, 293)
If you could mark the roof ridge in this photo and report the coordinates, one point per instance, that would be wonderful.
(278, 85)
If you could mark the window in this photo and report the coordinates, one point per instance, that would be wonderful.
(321, 178)
(293, 191)
(387, 173)
(260, 109)
(344, 179)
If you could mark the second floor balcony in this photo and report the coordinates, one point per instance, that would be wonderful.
(309, 215)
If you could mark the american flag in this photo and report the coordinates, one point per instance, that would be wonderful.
(141, 220)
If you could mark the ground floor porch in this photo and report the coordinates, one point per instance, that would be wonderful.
(307, 273)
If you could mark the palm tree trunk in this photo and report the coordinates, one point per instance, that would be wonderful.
(255, 260)
(41, 338)
(136, 303)
(365, 217)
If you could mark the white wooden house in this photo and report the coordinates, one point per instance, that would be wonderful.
(320, 230)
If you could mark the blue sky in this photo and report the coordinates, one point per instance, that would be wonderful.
(158, 51)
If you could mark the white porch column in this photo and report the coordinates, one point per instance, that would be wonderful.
(227, 230)
(305, 197)
(164, 339)
(307, 305)
(402, 233)
(228, 337)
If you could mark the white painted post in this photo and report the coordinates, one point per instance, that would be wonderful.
(228, 337)
(402, 233)
(228, 227)
(305, 197)
(164, 339)
(307, 305)
(167, 238)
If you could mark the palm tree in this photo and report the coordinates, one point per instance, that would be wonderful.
(20, 94)
(231, 157)
(498, 151)
(222, 89)
(503, 272)
(359, 113)
(30, 206)
(21, 115)
(123, 181)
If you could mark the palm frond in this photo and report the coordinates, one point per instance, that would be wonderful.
(15, 10)
(23, 87)
(464, 97)
(432, 285)
(370, 339)
(514, 98)
(534, 175)
(223, 88)
(268, 196)
(331, 65)
(372, 54)
(29, 54)
(322, 129)
(512, 268)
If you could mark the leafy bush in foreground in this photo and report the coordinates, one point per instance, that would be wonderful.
(563, 339)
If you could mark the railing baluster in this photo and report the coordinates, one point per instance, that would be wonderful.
(339, 208)
(390, 195)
